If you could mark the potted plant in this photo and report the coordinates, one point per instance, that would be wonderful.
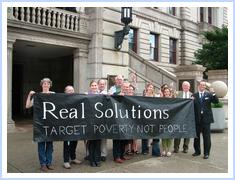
(219, 117)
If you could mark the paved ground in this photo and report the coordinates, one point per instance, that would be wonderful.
(22, 157)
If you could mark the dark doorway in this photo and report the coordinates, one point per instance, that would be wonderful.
(17, 82)
(31, 63)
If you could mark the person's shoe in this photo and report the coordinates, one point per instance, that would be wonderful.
(51, 167)
(118, 160)
(43, 168)
(176, 151)
(93, 164)
(67, 165)
(136, 152)
(125, 158)
(185, 151)
(163, 153)
(128, 152)
(196, 154)
(76, 161)
(103, 158)
(98, 164)
(168, 154)
(205, 156)
(145, 153)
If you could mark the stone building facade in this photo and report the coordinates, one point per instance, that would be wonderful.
(74, 47)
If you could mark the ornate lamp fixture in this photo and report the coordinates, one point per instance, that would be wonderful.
(126, 18)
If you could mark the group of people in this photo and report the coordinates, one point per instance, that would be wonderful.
(122, 149)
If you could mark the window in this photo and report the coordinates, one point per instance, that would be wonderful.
(172, 52)
(201, 14)
(154, 46)
(132, 39)
(72, 9)
(209, 15)
(172, 10)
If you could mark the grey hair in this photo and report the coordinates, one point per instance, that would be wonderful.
(186, 82)
(46, 80)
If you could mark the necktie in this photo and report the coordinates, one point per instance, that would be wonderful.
(201, 96)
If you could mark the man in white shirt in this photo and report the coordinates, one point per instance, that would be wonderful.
(183, 94)
(118, 84)
(103, 147)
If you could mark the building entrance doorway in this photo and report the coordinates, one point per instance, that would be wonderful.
(31, 63)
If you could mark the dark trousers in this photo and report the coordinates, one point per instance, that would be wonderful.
(94, 150)
(119, 148)
(145, 146)
(177, 144)
(69, 150)
(156, 148)
(205, 129)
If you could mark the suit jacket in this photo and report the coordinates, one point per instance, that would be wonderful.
(180, 94)
(205, 106)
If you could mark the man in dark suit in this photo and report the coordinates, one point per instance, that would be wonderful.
(203, 118)
(185, 93)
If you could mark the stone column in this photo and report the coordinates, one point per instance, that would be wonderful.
(185, 13)
(80, 70)
(10, 122)
(205, 14)
(83, 23)
(192, 73)
(215, 16)
(96, 45)
(10, 13)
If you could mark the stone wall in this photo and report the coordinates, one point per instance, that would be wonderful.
(218, 75)
(147, 72)
(225, 102)
(146, 21)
